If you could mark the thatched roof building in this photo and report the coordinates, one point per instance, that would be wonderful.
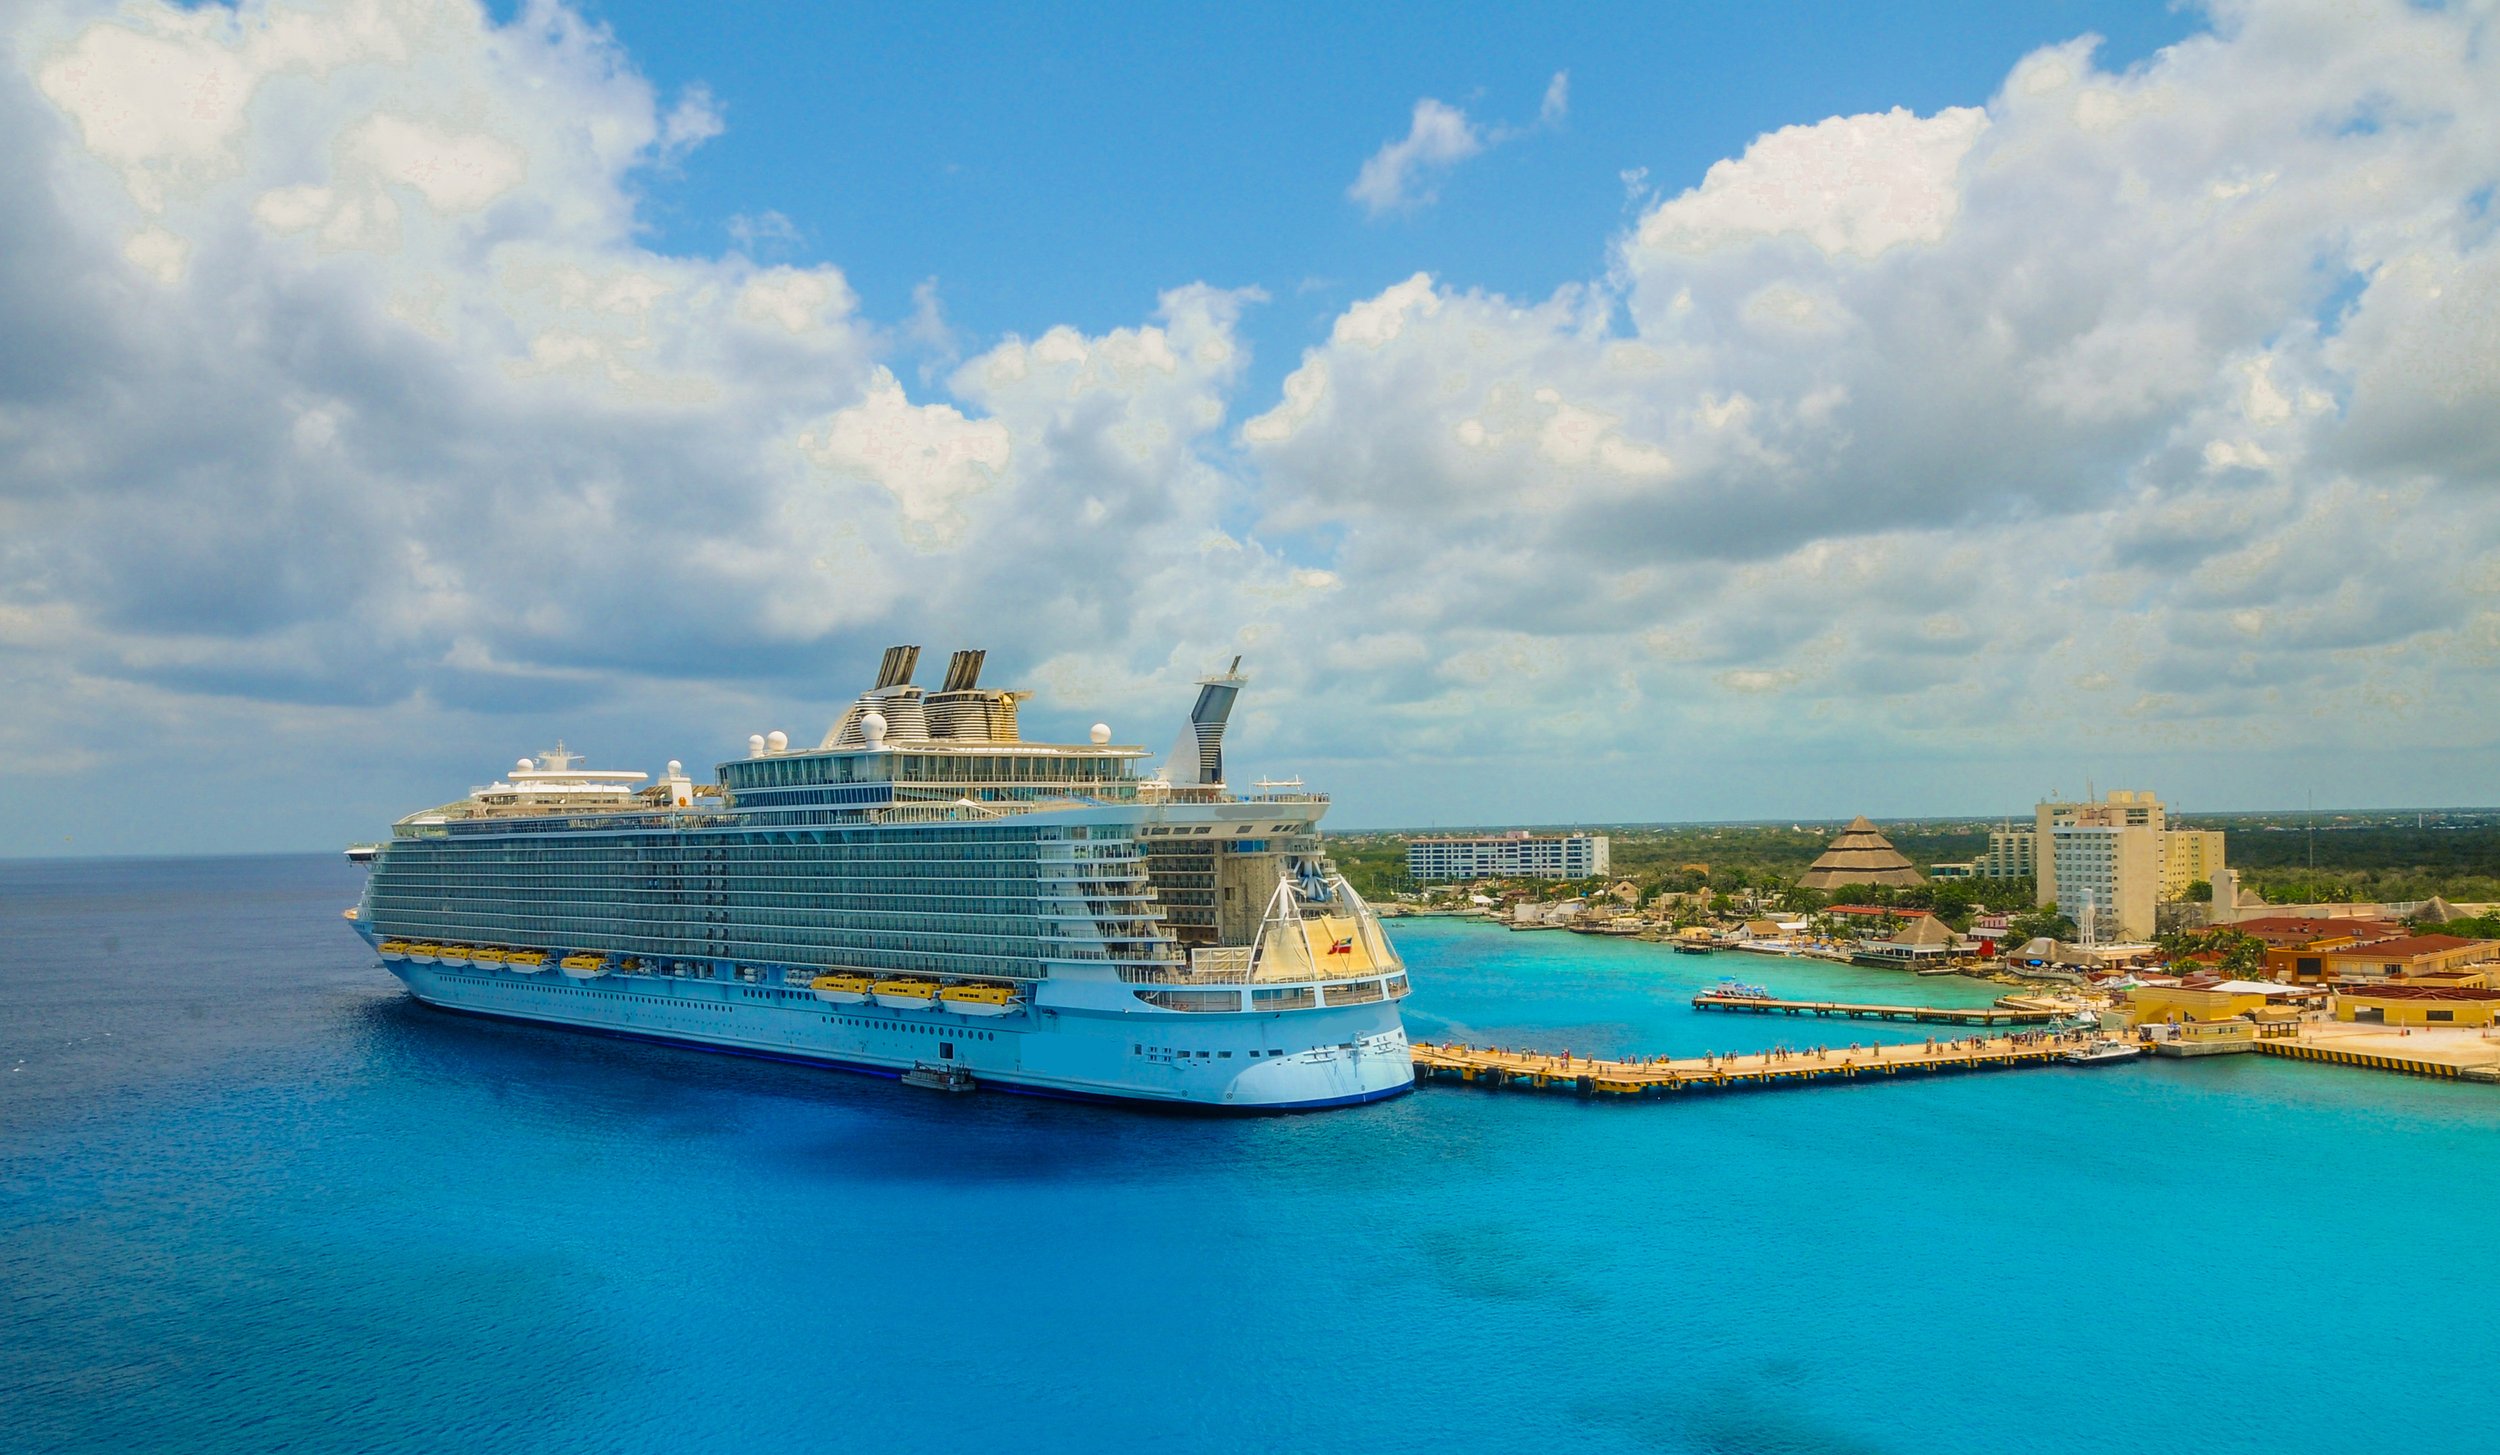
(1860, 856)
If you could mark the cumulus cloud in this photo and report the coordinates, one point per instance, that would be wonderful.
(349, 420)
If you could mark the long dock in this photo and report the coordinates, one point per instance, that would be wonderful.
(1942, 1015)
(1494, 1066)
(2384, 1053)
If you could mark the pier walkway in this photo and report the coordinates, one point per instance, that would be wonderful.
(1493, 1066)
(2463, 1055)
(1943, 1015)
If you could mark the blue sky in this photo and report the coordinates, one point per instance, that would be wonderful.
(1605, 413)
(1065, 164)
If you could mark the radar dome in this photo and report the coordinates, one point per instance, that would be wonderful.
(675, 767)
(779, 741)
(1101, 733)
(755, 745)
(872, 729)
(524, 766)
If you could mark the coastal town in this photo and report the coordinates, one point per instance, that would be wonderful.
(2102, 915)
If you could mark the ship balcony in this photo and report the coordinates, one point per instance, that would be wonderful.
(1234, 965)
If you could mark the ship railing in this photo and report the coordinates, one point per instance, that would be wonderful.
(1227, 972)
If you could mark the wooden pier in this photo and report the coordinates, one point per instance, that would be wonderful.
(1941, 1015)
(1494, 1066)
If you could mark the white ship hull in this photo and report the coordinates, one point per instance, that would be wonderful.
(1164, 939)
(1250, 1062)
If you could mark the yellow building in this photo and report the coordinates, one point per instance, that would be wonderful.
(2188, 856)
(2216, 1001)
(2119, 854)
(2419, 1005)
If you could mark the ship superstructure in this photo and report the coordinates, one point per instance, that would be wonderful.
(924, 893)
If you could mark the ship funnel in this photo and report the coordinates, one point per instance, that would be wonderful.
(963, 670)
(1197, 759)
(965, 709)
(896, 669)
(893, 698)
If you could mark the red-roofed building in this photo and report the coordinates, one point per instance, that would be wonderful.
(2295, 943)
(2408, 956)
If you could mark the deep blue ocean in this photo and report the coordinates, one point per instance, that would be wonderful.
(253, 1198)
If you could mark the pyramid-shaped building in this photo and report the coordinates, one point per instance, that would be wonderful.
(1860, 856)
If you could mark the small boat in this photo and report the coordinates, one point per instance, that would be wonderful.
(453, 955)
(905, 994)
(939, 1076)
(421, 954)
(1738, 990)
(528, 962)
(979, 1000)
(486, 959)
(2101, 1049)
(1938, 970)
(1691, 947)
(842, 989)
(392, 949)
(583, 967)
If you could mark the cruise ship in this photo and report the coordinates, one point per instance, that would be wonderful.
(924, 894)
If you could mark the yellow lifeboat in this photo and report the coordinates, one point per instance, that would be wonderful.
(420, 954)
(583, 967)
(528, 962)
(452, 954)
(486, 959)
(979, 999)
(905, 994)
(842, 989)
(392, 949)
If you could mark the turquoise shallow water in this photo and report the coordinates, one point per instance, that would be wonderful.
(251, 1198)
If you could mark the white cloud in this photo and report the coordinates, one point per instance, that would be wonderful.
(1855, 184)
(349, 406)
(929, 457)
(453, 171)
(1404, 172)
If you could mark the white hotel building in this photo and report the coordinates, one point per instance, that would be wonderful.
(1518, 855)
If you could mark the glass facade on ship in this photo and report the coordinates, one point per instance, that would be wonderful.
(972, 900)
(925, 894)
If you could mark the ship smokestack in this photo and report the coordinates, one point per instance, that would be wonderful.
(896, 669)
(1197, 760)
(964, 709)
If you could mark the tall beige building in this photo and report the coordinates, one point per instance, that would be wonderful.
(2119, 855)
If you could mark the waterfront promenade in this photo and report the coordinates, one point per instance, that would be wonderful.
(1950, 1015)
(1536, 1070)
(2447, 1054)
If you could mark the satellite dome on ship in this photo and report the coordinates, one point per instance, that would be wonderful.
(1861, 855)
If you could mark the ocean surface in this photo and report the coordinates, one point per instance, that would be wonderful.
(253, 1198)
